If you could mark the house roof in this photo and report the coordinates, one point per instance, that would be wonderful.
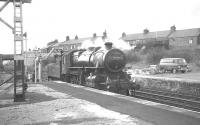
(72, 42)
(160, 35)
(186, 33)
(79, 40)
(76, 41)
(150, 35)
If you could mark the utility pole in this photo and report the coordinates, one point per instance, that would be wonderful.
(19, 75)
(25, 53)
(40, 68)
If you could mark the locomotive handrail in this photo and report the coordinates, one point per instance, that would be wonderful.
(86, 67)
(95, 52)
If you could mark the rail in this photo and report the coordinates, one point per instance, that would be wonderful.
(7, 80)
(174, 99)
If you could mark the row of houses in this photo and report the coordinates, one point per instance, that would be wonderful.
(75, 43)
(168, 38)
(172, 37)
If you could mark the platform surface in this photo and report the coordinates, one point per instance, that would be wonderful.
(59, 103)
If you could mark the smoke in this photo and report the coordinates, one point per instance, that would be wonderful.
(120, 44)
(86, 44)
(99, 42)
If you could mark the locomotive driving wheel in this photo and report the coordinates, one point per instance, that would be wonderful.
(74, 79)
(82, 78)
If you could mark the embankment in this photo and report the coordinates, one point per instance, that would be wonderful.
(175, 85)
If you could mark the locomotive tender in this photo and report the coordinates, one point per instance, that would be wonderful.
(97, 67)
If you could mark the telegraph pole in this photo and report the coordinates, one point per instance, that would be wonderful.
(19, 74)
(25, 54)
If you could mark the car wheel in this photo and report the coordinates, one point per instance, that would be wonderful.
(183, 71)
(174, 71)
(162, 71)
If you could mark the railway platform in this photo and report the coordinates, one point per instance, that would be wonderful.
(172, 83)
(60, 103)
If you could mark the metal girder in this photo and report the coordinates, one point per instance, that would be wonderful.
(6, 24)
(7, 2)
(23, 1)
(3, 21)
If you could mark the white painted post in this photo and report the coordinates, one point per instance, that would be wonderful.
(40, 71)
(36, 69)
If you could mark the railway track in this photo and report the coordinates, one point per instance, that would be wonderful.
(7, 80)
(184, 101)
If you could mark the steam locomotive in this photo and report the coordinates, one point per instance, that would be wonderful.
(97, 67)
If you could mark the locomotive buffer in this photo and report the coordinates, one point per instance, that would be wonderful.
(19, 75)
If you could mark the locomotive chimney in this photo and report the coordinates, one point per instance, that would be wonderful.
(108, 45)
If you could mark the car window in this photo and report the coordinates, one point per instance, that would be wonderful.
(177, 61)
(166, 61)
(181, 61)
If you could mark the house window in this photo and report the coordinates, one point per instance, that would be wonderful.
(190, 41)
(198, 40)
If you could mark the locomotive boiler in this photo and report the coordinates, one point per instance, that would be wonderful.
(97, 67)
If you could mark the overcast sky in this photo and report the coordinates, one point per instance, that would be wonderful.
(47, 20)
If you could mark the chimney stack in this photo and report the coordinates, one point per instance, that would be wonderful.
(123, 34)
(146, 31)
(76, 37)
(67, 38)
(173, 28)
(94, 35)
(104, 35)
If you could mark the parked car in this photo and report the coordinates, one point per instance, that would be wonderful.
(173, 65)
(152, 69)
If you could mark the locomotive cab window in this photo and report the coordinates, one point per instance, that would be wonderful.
(75, 56)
